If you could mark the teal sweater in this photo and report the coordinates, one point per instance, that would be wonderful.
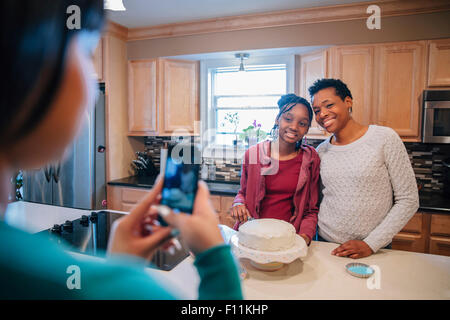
(32, 267)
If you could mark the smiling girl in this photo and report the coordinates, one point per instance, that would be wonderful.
(280, 178)
(369, 187)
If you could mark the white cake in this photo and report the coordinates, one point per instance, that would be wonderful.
(267, 235)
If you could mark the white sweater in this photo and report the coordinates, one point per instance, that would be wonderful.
(369, 188)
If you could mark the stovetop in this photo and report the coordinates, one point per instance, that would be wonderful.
(89, 235)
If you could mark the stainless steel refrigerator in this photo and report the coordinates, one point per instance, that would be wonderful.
(79, 181)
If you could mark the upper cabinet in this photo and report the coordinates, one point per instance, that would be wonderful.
(163, 97)
(142, 95)
(179, 96)
(312, 66)
(438, 63)
(354, 65)
(400, 80)
(98, 61)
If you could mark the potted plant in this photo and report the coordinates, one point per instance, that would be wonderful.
(253, 134)
(233, 119)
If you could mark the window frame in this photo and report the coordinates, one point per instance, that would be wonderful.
(208, 113)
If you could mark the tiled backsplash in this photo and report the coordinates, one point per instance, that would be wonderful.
(426, 160)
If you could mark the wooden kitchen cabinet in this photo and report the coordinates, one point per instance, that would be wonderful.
(222, 205)
(124, 198)
(440, 234)
(354, 65)
(163, 97)
(313, 66)
(142, 97)
(438, 63)
(98, 61)
(426, 232)
(400, 80)
(413, 236)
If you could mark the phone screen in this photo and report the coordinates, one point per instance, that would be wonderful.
(180, 180)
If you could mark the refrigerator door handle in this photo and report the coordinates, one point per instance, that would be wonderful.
(56, 171)
(48, 173)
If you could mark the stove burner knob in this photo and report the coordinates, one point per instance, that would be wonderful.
(56, 228)
(68, 226)
(84, 221)
(94, 217)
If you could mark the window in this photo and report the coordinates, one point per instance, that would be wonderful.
(246, 95)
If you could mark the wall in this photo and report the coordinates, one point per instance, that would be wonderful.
(401, 28)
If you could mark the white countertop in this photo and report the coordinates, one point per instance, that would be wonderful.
(402, 274)
(35, 217)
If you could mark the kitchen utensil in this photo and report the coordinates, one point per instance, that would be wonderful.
(359, 270)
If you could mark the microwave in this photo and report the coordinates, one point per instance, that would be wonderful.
(436, 116)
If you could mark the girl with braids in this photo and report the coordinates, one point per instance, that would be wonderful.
(280, 178)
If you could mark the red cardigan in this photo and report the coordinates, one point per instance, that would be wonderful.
(257, 164)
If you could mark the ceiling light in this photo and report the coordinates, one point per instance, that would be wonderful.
(242, 56)
(114, 5)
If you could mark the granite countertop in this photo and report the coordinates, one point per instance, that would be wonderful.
(434, 201)
(216, 187)
(428, 200)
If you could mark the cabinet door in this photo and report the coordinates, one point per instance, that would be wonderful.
(354, 66)
(439, 63)
(412, 237)
(215, 201)
(313, 66)
(440, 245)
(224, 216)
(98, 61)
(179, 96)
(440, 225)
(400, 69)
(142, 97)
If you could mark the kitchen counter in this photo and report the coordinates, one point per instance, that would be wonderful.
(34, 217)
(434, 201)
(402, 274)
(428, 200)
(224, 188)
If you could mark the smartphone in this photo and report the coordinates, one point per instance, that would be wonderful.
(180, 178)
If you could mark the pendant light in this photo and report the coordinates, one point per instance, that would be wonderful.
(242, 56)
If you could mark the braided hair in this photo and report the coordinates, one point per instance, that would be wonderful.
(285, 104)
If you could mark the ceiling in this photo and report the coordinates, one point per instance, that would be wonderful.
(143, 13)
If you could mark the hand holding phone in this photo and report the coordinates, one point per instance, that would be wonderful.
(180, 180)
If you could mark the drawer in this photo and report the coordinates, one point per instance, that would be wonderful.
(440, 225)
(131, 195)
(409, 242)
(226, 203)
(215, 201)
(127, 206)
(440, 245)
(414, 225)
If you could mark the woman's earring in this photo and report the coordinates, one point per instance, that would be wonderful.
(275, 133)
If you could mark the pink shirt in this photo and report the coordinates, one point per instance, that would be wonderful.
(278, 202)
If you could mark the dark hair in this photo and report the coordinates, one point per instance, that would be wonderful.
(341, 88)
(35, 37)
(287, 102)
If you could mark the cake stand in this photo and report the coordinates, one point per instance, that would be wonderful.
(270, 260)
